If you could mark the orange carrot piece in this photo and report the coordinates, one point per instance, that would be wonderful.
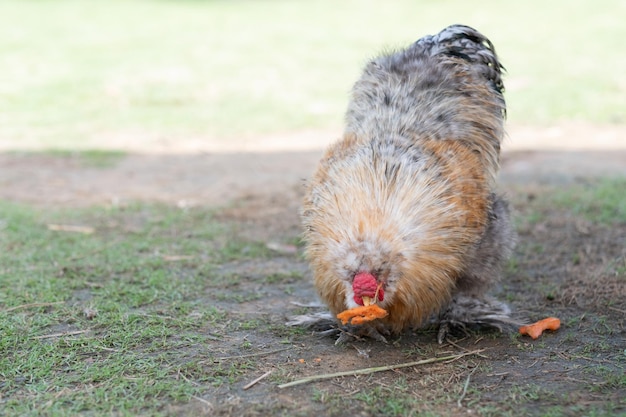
(536, 329)
(362, 314)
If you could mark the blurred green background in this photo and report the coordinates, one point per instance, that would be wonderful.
(76, 72)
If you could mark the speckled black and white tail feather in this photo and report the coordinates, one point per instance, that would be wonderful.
(433, 89)
(466, 43)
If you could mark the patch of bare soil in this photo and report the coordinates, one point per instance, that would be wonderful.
(564, 266)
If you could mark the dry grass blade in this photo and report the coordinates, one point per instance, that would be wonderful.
(175, 258)
(50, 336)
(31, 305)
(465, 386)
(87, 230)
(618, 310)
(269, 352)
(366, 371)
(203, 401)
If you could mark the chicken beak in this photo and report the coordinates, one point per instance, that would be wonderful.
(369, 300)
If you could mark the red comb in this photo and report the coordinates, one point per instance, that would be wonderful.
(365, 285)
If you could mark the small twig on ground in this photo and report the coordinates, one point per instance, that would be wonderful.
(31, 305)
(455, 345)
(474, 352)
(467, 381)
(462, 348)
(86, 230)
(618, 310)
(49, 336)
(202, 400)
(366, 371)
(265, 375)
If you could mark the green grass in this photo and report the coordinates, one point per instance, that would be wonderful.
(394, 400)
(149, 305)
(599, 201)
(147, 320)
(90, 158)
(602, 201)
(82, 74)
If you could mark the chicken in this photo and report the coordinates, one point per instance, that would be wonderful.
(402, 211)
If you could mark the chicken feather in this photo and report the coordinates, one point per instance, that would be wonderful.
(408, 193)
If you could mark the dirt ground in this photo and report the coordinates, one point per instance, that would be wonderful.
(564, 266)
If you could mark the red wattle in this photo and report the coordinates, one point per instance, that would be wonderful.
(364, 284)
